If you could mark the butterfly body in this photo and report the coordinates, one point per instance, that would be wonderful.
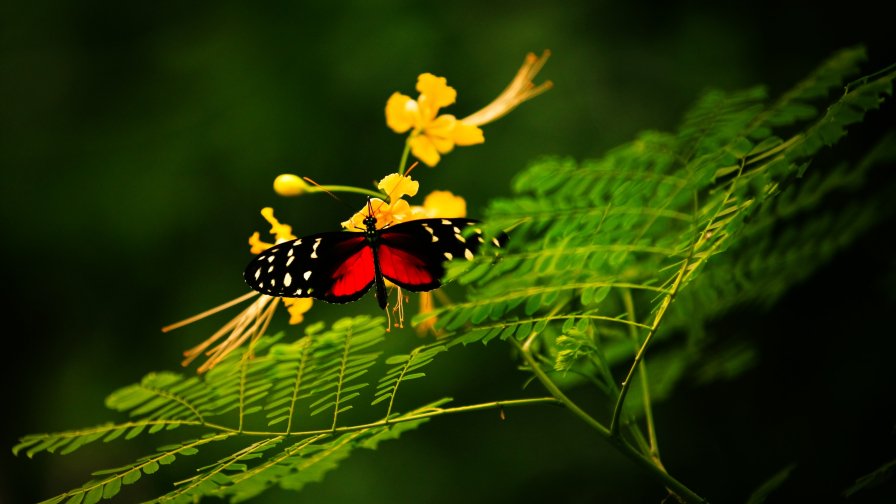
(340, 267)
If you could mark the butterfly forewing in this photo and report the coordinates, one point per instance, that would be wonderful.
(412, 254)
(334, 267)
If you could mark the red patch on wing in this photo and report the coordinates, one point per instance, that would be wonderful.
(405, 269)
(355, 274)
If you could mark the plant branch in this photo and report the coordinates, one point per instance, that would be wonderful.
(657, 320)
(682, 492)
(407, 417)
(404, 156)
(645, 384)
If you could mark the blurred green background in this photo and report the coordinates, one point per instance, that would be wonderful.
(139, 142)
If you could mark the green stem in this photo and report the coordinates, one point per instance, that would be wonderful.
(342, 188)
(645, 386)
(682, 492)
(657, 320)
(399, 419)
(404, 156)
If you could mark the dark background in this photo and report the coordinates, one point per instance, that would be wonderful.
(139, 141)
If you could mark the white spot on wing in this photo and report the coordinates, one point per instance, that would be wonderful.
(307, 274)
(270, 269)
(258, 273)
(448, 256)
(314, 248)
(460, 238)
(271, 258)
(468, 254)
(289, 261)
(446, 222)
(456, 230)
(433, 233)
(291, 250)
(496, 242)
(287, 280)
(298, 292)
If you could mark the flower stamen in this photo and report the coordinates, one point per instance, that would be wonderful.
(519, 90)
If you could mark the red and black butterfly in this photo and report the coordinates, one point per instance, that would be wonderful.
(339, 267)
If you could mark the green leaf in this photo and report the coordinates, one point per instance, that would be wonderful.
(94, 495)
(131, 477)
(111, 488)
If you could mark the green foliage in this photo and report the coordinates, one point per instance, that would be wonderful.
(647, 244)
(281, 385)
(721, 213)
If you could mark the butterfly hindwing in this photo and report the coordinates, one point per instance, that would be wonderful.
(334, 267)
(412, 254)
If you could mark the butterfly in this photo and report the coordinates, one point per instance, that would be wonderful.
(339, 267)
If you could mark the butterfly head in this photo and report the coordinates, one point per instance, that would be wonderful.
(370, 223)
(370, 220)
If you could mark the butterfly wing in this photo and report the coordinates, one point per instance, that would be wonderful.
(334, 267)
(411, 254)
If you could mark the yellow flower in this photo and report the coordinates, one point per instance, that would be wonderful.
(252, 322)
(431, 134)
(440, 204)
(395, 187)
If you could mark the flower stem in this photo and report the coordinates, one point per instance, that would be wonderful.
(348, 189)
(404, 157)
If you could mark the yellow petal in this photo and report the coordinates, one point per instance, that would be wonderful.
(283, 232)
(442, 126)
(441, 133)
(428, 324)
(397, 186)
(424, 150)
(436, 90)
(402, 113)
(397, 212)
(297, 308)
(257, 245)
(467, 134)
(442, 144)
(445, 204)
